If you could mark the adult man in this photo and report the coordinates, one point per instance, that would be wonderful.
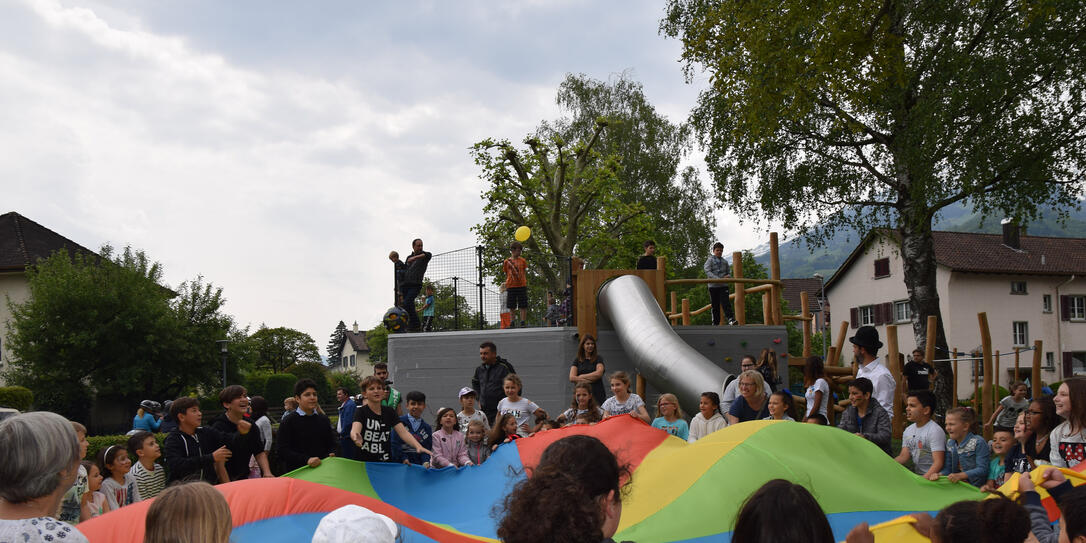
(236, 402)
(392, 399)
(489, 377)
(731, 390)
(412, 282)
(648, 260)
(865, 346)
(918, 372)
(717, 268)
(347, 406)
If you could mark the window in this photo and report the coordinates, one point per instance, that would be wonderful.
(902, 311)
(1078, 307)
(882, 267)
(1020, 332)
(1046, 303)
(867, 315)
(1018, 287)
(1078, 363)
(352, 360)
(1050, 361)
(344, 361)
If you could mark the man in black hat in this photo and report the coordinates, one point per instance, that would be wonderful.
(866, 345)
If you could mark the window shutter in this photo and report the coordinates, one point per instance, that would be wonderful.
(887, 312)
(1065, 308)
(1067, 365)
(854, 313)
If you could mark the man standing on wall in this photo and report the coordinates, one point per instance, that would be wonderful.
(412, 282)
(488, 379)
(717, 268)
(648, 260)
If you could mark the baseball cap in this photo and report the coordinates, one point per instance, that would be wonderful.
(465, 391)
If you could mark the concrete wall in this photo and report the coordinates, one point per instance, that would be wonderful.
(440, 363)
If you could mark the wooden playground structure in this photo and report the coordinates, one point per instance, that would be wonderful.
(587, 282)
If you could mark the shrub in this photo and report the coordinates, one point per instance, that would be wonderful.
(346, 379)
(279, 386)
(98, 443)
(318, 373)
(256, 381)
(16, 397)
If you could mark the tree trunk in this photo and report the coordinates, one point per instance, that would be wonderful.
(918, 260)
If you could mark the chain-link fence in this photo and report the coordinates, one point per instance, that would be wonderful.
(468, 294)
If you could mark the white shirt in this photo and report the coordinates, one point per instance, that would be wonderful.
(883, 382)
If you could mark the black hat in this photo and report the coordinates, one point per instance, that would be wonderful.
(868, 338)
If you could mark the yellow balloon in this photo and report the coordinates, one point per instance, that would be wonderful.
(523, 233)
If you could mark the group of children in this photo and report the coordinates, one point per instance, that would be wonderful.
(113, 479)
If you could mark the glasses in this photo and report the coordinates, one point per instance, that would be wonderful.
(747, 366)
(742, 384)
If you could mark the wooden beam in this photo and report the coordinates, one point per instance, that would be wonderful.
(740, 303)
(929, 344)
(686, 312)
(775, 274)
(954, 398)
(725, 281)
(986, 393)
(892, 363)
(805, 310)
(840, 343)
(1035, 377)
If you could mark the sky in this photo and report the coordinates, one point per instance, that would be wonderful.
(281, 151)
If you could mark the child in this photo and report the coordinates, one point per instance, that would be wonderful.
(374, 423)
(669, 417)
(780, 406)
(71, 503)
(1017, 460)
(150, 477)
(923, 441)
(516, 282)
(1041, 419)
(582, 419)
(1071, 501)
(549, 424)
(119, 486)
(1010, 406)
(623, 401)
(818, 390)
(290, 405)
(1068, 440)
(235, 401)
(304, 438)
(866, 418)
(583, 403)
(818, 419)
(521, 408)
(475, 443)
(468, 412)
(504, 431)
(554, 310)
(506, 316)
(967, 453)
(427, 310)
(192, 512)
(709, 419)
(93, 501)
(422, 432)
(1002, 443)
(194, 451)
(449, 447)
(398, 271)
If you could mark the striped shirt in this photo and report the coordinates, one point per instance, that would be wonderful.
(150, 483)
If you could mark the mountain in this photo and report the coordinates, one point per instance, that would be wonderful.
(798, 260)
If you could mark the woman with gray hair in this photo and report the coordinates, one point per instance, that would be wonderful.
(39, 460)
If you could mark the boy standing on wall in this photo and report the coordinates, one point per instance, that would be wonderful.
(516, 282)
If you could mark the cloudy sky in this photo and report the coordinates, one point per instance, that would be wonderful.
(281, 151)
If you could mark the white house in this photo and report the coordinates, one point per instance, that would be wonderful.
(354, 353)
(1030, 287)
(22, 243)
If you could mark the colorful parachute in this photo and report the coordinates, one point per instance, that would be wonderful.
(678, 492)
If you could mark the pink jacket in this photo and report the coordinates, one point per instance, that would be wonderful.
(449, 450)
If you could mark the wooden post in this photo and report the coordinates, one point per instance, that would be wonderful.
(995, 381)
(986, 393)
(831, 356)
(892, 358)
(686, 313)
(674, 304)
(1017, 356)
(1035, 377)
(929, 345)
(954, 398)
(740, 304)
(659, 287)
(805, 310)
(640, 385)
(976, 384)
(775, 274)
(767, 309)
(840, 343)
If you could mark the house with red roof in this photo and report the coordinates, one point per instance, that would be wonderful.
(1031, 288)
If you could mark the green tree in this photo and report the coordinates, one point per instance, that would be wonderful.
(279, 348)
(104, 326)
(335, 343)
(451, 309)
(319, 374)
(595, 183)
(879, 113)
(377, 341)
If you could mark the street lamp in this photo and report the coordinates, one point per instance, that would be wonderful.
(822, 311)
(222, 349)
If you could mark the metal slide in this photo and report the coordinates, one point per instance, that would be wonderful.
(657, 351)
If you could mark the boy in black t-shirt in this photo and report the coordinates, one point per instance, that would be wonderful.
(374, 423)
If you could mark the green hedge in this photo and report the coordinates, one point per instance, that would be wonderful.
(279, 386)
(345, 379)
(15, 397)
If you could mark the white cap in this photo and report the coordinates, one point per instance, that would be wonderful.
(355, 524)
(465, 391)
